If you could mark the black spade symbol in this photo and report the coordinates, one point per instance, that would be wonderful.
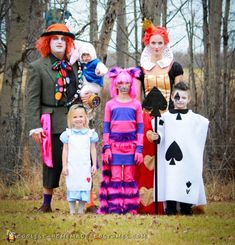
(188, 184)
(177, 96)
(178, 117)
(173, 152)
(161, 122)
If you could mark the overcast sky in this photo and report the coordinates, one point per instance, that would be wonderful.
(176, 27)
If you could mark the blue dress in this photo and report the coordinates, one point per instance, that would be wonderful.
(79, 177)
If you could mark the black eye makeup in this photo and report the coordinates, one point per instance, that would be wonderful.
(177, 96)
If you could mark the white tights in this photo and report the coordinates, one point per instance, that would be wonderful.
(81, 207)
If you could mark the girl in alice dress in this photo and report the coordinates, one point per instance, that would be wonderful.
(78, 149)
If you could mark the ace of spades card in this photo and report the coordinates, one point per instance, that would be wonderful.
(181, 149)
(174, 153)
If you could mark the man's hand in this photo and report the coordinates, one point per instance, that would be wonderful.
(85, 97)
(37, 137)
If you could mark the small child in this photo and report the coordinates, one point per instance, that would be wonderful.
(92, 72)
(122, 144)
(182, 135)
(78, 149)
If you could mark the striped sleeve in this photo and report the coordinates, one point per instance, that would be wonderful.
(140, 128)
(106, 126)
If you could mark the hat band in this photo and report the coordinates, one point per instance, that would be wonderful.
(69, 34)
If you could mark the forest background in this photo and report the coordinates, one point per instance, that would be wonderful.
(202, 36)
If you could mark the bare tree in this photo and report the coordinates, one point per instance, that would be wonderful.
(93, 21)
(113, 6)
(12, 126)
(152, 10)
(225, 63)
(190, 25)
(122, 36)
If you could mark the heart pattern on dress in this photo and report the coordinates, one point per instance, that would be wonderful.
(88, 179)
(149, 162)
(146, 196)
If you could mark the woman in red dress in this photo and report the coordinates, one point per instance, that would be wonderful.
(161, 71)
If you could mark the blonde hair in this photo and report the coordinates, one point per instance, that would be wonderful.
(71, 112)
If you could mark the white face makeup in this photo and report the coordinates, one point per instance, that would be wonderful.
(86, 58)
(123, 87)
(180, 99)
(58, 46)
(157, 45)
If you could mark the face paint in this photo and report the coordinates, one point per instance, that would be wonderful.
(181, 99)
(58, 45)
(123, 87)
(177, 96)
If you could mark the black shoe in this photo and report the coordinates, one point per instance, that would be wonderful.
(45, 209)
(171, 212)
(187, 212)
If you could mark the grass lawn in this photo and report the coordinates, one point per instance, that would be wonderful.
(216, 226)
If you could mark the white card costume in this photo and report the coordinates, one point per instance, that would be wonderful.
(180, 156)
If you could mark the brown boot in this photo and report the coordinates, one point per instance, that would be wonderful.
(92, 209)
(45, 209)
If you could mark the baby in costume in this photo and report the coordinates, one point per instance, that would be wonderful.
(91, 73)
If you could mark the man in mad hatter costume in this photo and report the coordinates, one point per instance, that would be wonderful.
(51, 88)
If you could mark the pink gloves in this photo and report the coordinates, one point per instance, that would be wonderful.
(107, 156)
(138, 158)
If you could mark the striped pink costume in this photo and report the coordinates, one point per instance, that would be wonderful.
(123, 135)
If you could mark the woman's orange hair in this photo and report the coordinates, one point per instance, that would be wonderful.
(150, 30)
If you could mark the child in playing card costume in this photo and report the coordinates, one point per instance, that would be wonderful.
(78, 149)
(122, 144)
(182, 135)
(159, 73)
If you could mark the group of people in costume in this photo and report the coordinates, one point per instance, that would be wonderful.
(152, 144)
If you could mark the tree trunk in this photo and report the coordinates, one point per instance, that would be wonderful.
(190, 32)
(12, 124)
(212, 79)
(137, 53)
(11, 94)
(206, 45)
(122, 36)
(113, 6)
(225, 65)
(93, 21)
(164, 13)
(152, 10)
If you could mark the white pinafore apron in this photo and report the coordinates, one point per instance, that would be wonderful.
(79, 162)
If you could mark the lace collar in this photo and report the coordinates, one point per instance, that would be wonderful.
(147, 64)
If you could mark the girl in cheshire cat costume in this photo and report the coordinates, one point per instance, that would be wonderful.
(122, 144)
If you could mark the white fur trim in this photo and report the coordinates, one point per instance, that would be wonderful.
(90, 87)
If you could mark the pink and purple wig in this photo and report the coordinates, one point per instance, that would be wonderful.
(117, 75)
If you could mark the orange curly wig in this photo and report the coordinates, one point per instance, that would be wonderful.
(43, 45)
(150, 30)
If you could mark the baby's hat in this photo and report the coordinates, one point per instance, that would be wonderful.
(82, 48)
(87, 48)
